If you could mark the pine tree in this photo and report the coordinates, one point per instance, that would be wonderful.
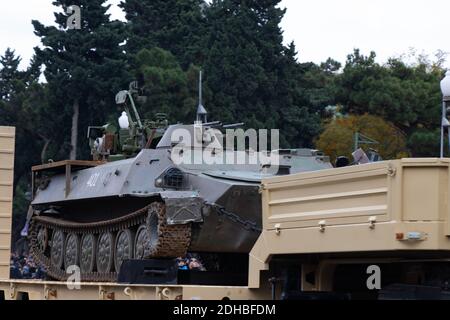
(177, 26)
(23, 105)
(84, 68)
(168, 88)
(254, 77)
(10, 76)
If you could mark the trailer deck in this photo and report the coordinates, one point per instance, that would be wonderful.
(54, 290)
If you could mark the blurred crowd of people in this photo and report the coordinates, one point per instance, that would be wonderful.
(190, 263)
(23, 267)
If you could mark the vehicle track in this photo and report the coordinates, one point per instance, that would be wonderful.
(162, 240)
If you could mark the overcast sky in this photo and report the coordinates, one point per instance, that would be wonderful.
(320, 28)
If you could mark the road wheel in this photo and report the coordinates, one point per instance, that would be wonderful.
(42, 239)
(141, 243)
(72, 251)
(57, 249)
(105, 252)
(123, 248)
(87, 259)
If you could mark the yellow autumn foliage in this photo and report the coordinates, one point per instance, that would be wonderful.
(338, 137)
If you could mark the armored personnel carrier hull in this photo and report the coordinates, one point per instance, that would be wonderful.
(95, 215)
(154, 191)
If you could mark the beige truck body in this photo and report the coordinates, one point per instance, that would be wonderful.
(384, 208)
(7, 141)
(387, 208)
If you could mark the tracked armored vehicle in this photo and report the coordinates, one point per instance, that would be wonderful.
(136, 200)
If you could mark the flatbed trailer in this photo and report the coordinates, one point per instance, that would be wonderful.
(56, 290)
(321, 230)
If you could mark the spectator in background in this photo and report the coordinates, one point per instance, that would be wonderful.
(14, 270)
(182, 264)
(25, 268)
(191, 262)
(26, 274)
(195, 265)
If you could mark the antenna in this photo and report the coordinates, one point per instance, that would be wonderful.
(202, 114)
(200, 88)
(360, 139)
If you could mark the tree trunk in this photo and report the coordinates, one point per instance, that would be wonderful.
(74, 136)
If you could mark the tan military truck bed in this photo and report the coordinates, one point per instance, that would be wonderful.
(7, 135)
(388, 206)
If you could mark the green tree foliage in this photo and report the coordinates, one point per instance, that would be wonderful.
(11, 79)
(251, 75)
(408, 96)
(24, 106)
(256, 79)
(167, 87)
(177, 26)
(22, 99)
(84, 68)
